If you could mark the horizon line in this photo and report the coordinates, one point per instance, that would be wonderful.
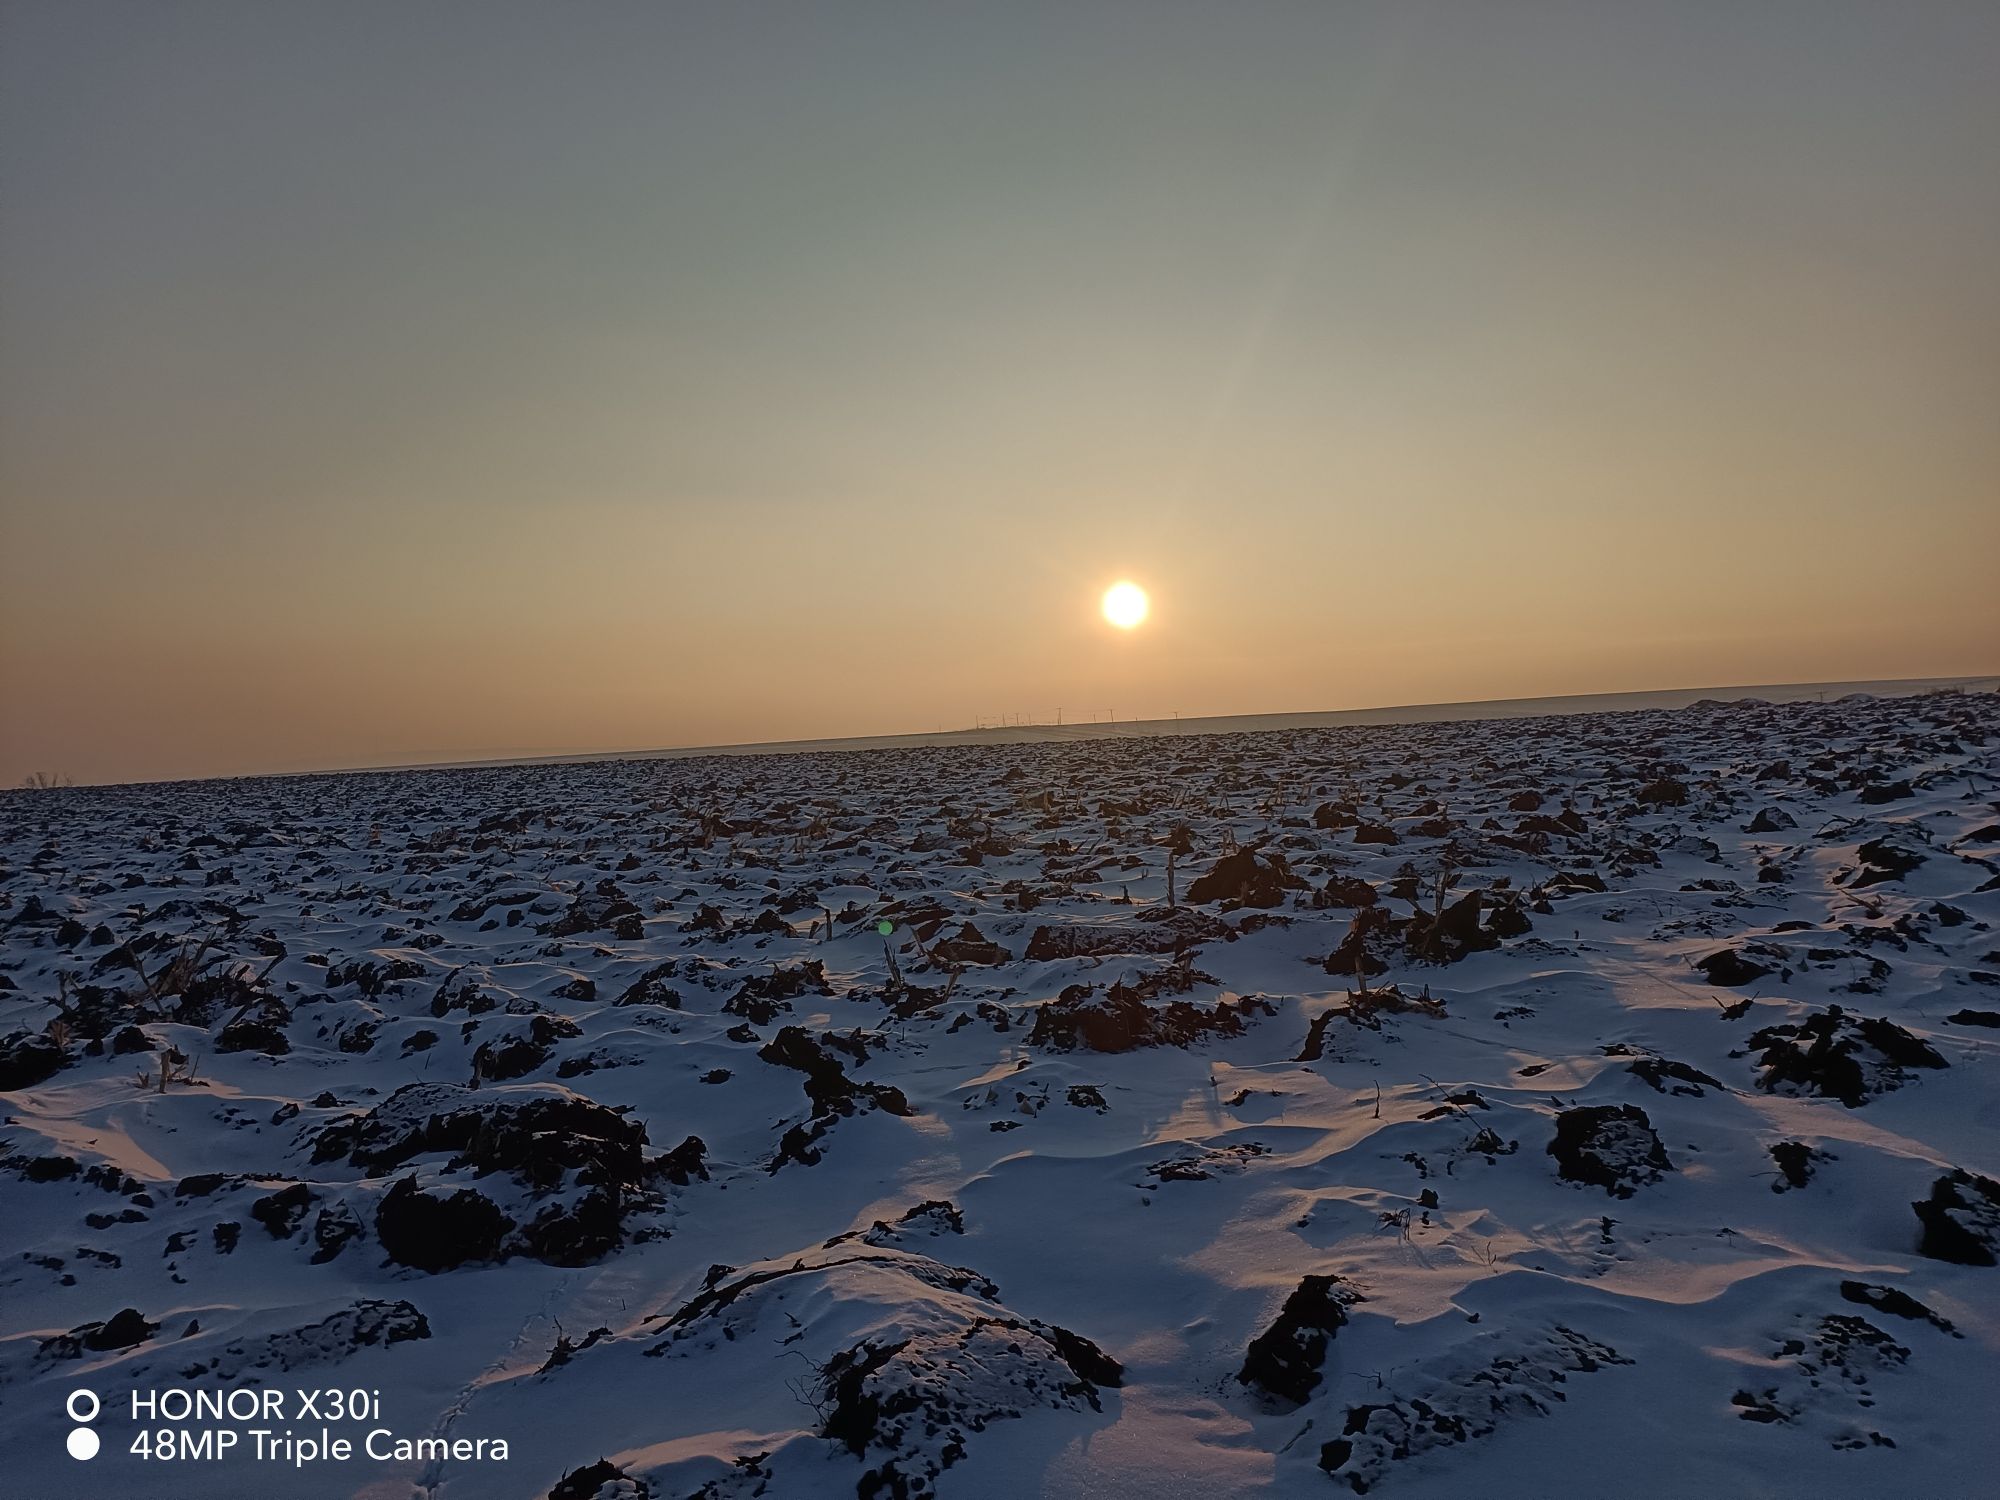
(1015, 734)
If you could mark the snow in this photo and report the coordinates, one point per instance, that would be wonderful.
(914, 1216)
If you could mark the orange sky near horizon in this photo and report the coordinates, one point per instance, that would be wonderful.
(382, 385)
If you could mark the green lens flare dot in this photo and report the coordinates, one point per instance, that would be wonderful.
(885, 927)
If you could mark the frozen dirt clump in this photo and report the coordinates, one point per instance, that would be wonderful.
(604, 909)
(1731, 969)
(1961, 1219)
(368, 1323)
(253, 1036)
(1665, 792)
(908, 1407)
(651, 988)
(1881, 860)
(282, 1212)
(538, 1133)
(1157, 930)
(583, 1168)
(931, 1219)
(832, 1094)
(904, 1360)
(26, 1059)
(1446, 936)
(1285, 1359)
(1466, 1394)
(1367, 1009)
(515, 1054)
(1243, 879)
(970, 946)
(122, 1330)
(1824, 1376)
(1840, 1056)
(1665, 1076)
(1796, 1163)
(602, 1480)
(761, 997)
(1611, 1146)
(1896, 1303)
(827, 1085)
(1346, 892)
(436, 1231)
(1122, 1019)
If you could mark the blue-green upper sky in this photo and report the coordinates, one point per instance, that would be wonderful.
(393, 381)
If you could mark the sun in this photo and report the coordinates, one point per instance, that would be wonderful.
(1125, 604)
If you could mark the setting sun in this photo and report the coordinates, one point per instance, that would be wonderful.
(1125, 604)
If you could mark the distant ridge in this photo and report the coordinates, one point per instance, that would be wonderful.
(1409, 713)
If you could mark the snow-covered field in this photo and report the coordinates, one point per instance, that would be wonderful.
(587, 1110)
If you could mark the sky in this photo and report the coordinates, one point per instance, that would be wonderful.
(384, 383)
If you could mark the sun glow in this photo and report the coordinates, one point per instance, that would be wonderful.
(1125, 604)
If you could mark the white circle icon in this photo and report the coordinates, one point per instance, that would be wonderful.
(96, 1406)
(82, 1443)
